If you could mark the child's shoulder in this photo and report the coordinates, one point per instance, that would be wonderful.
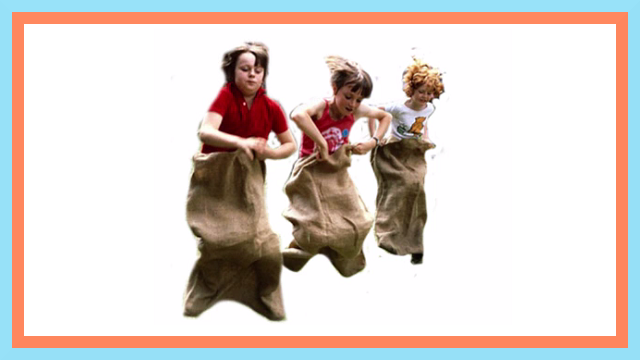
(318, 101)
(313, 107)
(271, 101)
(226, 89)
(317, 105)
(430, 107)
(393, 105)
(273, 104)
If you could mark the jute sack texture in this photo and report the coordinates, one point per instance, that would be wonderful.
(239, 253)
(327, 214)
(401, 211)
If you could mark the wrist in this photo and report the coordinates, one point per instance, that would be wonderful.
(376, 140)
(239, 142)
(269, 153)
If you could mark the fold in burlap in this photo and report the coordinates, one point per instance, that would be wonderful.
(401, 211)
(327, 214)
(239, 253)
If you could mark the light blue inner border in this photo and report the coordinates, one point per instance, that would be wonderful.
(332, 5)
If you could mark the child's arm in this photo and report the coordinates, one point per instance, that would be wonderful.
(384, 119)
(372, 123)
(302, 117)
(209, 134)
(286, 148)
(425, 131)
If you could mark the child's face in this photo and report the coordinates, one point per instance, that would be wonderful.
(422, 95)
(347, 101)
(248, 76)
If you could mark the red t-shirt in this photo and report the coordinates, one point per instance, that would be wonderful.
(336, 132)
(264, 116)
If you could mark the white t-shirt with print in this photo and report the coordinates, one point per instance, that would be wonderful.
(408, 123)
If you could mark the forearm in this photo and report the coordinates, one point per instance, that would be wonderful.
(372, 126)
(283, 151)
(217, 138)
(382, 127)
(304, 123)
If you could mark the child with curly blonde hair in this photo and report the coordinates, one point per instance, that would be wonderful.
(400, 166)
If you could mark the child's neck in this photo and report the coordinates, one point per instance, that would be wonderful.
(333, 110)
(415, 106)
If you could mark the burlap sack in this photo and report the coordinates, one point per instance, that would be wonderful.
(239, 253)
(401, 211)
(327, 214)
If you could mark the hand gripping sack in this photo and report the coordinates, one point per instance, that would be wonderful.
(239, 253)
(327, 214)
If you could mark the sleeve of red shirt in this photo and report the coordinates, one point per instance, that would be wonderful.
(221, 103)
(279, 123)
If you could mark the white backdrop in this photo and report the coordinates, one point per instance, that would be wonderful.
(520, 238)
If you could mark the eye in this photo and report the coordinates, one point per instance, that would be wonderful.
(347, 97)
(259, 70)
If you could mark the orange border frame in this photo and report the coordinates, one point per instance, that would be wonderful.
(620, 340)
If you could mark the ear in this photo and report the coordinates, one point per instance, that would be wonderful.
(335, 88)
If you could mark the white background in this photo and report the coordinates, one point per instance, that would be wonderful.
(520, 238)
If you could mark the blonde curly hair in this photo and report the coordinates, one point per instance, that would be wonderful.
(420, 73)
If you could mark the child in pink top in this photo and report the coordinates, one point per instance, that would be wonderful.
(326, 210)
(327, 123)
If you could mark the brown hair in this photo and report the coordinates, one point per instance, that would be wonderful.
(230, 58)
(420, 73)
(348, 73)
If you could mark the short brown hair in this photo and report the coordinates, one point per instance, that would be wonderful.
(230, 59)
(348, 73)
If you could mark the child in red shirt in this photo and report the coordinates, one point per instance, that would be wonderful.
(242, 116)
(239, 253)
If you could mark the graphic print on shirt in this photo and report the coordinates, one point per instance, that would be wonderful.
(417, 126)
(402, 129)
(335, 137)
